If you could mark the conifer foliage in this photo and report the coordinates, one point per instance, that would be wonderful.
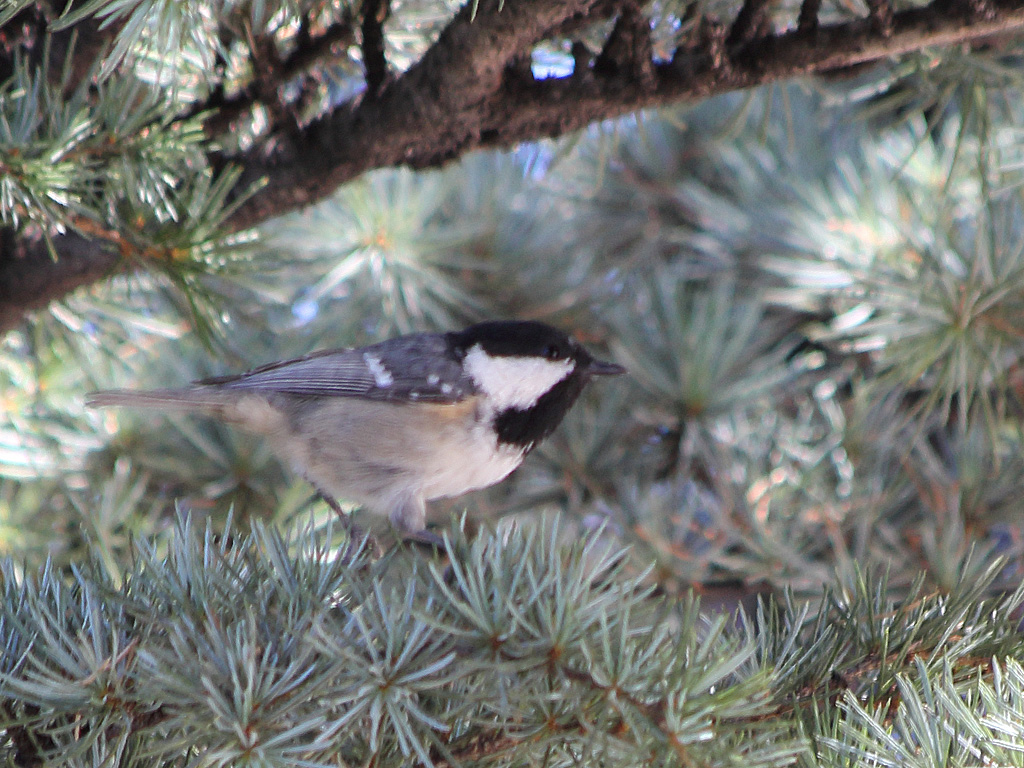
(263, 649)
(816, 285)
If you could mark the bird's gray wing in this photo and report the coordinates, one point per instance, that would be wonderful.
(418, 367)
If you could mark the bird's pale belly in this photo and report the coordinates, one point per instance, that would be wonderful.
(378, 453)
(464, 465)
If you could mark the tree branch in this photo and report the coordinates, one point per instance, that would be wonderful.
(30, 278)
(464, 95)
(440, 101)
(455, 99)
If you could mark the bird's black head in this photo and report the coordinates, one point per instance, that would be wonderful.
(530, 372)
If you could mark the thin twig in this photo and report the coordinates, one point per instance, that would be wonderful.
(807, 23)
(375, 13)
(748, 23)
(881, 12)
(628, 52)
(307, 52)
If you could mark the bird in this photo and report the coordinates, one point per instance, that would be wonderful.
(396, 424)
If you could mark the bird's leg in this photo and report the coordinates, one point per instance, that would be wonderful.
(356, 535)
(410, 519)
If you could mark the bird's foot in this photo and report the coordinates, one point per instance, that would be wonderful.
(425, 538)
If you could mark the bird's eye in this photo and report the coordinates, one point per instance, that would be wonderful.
(553, 352)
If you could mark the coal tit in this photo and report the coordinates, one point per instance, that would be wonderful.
(396, 424)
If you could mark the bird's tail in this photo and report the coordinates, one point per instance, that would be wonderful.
(196, 399)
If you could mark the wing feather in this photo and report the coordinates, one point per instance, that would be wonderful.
(418, 367)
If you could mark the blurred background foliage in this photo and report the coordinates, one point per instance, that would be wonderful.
(817, 288)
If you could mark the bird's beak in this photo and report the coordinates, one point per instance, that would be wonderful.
(601, 368)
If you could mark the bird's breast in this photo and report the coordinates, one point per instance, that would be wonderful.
(468, 456)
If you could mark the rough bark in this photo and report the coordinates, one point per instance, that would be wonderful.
(30, 276)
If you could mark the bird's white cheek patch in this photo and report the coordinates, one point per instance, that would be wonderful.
(514, 382)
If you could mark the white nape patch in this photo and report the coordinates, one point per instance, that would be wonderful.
(514, 382)
(381, 376)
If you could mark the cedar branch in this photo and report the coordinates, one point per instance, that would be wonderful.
(460, 97)
(455, 100)
(30, 278)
